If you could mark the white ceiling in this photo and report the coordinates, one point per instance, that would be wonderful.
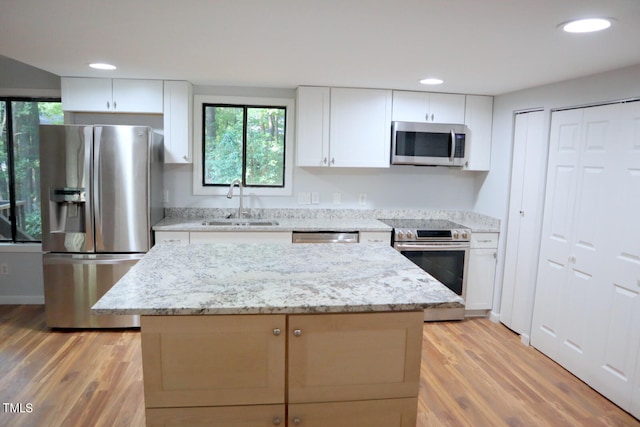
(476, 46)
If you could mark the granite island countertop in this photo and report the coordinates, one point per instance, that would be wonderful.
(201, 279)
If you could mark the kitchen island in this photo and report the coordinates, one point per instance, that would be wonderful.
(279, 334)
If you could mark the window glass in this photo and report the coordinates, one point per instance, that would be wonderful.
(243, 142)
(20, 172)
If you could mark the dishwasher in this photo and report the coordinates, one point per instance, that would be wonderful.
(325, 237)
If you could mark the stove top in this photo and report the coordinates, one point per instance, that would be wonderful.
(409, 230)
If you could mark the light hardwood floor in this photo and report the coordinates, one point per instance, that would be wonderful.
(474, 373)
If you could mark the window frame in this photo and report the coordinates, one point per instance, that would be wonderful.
(199, 189)
(8, 100)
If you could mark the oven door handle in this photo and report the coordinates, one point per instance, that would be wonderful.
(430, 246)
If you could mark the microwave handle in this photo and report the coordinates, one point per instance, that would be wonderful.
(453, 146)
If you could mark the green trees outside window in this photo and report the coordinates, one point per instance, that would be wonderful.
(20, 165)
(246, 142)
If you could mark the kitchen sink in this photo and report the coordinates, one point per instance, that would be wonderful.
(239, 222)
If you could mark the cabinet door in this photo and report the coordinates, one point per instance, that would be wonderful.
(340, 357)
(245, 416)
(375, 237)
(312, 126)
(425, 107)
(240, 237)
(213, 360)
(86, 94)
(372, 413)
(360, 133)
(178, 133)
(410, 106)
(446, 108)
(480, 277)
(137, 96)
(479, 118)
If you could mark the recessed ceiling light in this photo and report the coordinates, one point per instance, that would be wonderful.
(586, 25)
(431, 81)
(102, 66)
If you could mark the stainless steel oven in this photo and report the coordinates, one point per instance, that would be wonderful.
(439, 247)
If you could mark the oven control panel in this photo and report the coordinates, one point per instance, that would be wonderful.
(417, 235)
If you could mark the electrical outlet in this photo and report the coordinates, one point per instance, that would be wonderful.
(4, 268)
(337, 198)
(315, 198)
(362, 199)
(165, 196)
(304, 198)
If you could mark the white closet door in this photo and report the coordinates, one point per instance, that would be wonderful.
(562, 172)
(615, 316)
(525, 212)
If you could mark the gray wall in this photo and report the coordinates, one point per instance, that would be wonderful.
(493, 194)
(22, 283)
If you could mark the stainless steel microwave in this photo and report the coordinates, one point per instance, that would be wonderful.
(429, 144)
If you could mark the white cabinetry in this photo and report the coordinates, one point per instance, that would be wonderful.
(112, 95)
(178, 133)
(357, 126)
(587, 304)
(482, 271)
(312, 127)
(240, 237)
(171, 236)
(428, 107)
(478, 117)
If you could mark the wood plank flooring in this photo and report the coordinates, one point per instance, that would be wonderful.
(475, 373)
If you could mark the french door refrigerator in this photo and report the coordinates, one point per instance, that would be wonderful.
(101, 192)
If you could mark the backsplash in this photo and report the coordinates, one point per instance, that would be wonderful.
(468, 218)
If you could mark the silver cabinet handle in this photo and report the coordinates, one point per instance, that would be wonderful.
(297, 332)
(276, 331)
(333, 161)
(276, 421)
(296, 420)
(114, 105)
(324, 161)
(108, 105)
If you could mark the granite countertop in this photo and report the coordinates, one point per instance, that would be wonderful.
(200, 279)
(284, 224)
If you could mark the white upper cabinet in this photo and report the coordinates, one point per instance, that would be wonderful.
(428, 107)
(312, 127)
(479, 118)
(112, 95)
(343, 127)
(178, 115)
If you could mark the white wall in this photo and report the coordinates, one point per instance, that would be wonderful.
(493, 193)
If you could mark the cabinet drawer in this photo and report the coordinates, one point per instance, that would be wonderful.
(371, 413)
(375, 237)
(484, 240)
(240, 237)
(245, 416)
(172, 236)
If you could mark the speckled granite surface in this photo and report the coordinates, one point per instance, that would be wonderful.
(188, 279)
(190, 219)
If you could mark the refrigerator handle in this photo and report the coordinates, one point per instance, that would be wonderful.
(96, 187)
(88, 205)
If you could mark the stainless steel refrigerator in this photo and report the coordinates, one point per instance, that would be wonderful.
(101, 192)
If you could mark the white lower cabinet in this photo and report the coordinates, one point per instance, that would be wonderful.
(375, 237)
(482, 271)
(171, 236)
(323, 369)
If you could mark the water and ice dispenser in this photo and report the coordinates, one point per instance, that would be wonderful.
(67, 210)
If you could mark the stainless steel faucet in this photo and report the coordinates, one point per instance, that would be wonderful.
(230, 195)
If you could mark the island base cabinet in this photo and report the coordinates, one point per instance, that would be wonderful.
(369, 413)
(225, 416)
(213, 360)
(359, 356)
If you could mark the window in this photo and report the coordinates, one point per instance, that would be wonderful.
(20, 165)
(242, 138)
(245, 142)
